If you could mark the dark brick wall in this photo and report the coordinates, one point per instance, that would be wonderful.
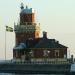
(20, 37)
(39, 53)
(26, 18)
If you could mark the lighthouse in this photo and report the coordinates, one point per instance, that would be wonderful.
(29, 45)
(27, 28)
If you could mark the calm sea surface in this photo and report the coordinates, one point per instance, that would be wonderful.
(28, 74)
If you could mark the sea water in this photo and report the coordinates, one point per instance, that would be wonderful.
(27, 74)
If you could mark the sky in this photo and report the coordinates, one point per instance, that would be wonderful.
(57, 17)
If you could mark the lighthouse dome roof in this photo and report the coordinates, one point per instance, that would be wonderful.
(27, 10)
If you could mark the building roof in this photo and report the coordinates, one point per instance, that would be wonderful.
(27, 10)
(20, 46)
(49, 43)
(40, 43)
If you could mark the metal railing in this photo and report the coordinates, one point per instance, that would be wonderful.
(29, 23)
(51, 61)
(24, 28)
(44, 61)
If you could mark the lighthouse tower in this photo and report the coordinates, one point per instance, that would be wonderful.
(27, 28)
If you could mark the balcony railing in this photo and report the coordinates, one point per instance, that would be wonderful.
(24, 28)
(44, 61)
(28, 23)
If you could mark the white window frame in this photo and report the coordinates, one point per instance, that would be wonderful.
(46, 52)
(32, 53)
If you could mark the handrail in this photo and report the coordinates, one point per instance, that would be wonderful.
(41, 62)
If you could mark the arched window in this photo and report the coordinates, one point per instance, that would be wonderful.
(56, 53)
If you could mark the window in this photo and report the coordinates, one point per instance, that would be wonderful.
(16, 53)
(31, 53)
(65, 56)
(46, 52)
(56, 53)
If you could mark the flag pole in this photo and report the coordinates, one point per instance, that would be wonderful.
(7, 28)
(5, 42)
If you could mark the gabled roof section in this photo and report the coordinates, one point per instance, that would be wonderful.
(48, 43)
(40, 43)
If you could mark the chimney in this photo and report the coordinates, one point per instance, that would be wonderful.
(44, 34)
(57, 42)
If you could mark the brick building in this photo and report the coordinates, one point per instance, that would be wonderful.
(29, 45)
